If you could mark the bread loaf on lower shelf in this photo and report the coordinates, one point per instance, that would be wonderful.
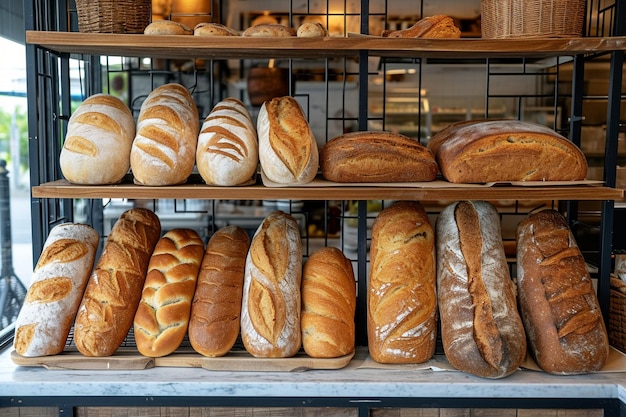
(558, 303)
(55, 290)
(113, 292)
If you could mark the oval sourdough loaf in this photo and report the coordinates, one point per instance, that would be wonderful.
(164, 149)
(402, 298)
(480, 151)
(558, 303)
(113, 292)
(431, 27)
(228, 148)
(481, 329)
(162, 316)
(55, 290)
(270, 310)
(97, 145)
(216, 309)
(328, 304)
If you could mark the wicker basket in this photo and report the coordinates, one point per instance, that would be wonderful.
(502, 19)
(617, 314)
(113, 16)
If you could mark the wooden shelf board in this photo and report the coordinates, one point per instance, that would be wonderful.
(181, 46)
(63, 189)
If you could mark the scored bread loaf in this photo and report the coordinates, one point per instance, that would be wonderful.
(328, 304)
(164, 149)
(311, 30)
(216, 309)
(481, 151)
(287, 147)
(228, 149)
(402, 298)
(558, 304)
(162, 317)
(270, 30)
(376, 157)
(113, 292)
(270, 308)
(97, 144)
(213, 29)
(55, 290)
(481, 329)
(167, 27)
(432, 27)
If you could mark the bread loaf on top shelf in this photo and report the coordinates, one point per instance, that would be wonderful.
(431, 27)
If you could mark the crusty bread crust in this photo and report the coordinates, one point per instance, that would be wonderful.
(432, 27)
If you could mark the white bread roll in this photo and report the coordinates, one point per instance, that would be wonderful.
(55, 290)
(97, 145)
(162, 316)
(287, 147)
(270, 310)
(228, 149)
(164, 149)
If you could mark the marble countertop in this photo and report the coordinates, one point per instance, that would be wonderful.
(18, 383)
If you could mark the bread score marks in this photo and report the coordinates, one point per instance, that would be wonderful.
(270, 321)
(438, 26)
(402, 300)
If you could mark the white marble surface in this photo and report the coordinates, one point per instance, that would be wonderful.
(352, 382)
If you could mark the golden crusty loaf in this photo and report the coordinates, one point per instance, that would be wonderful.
(376, 157)
(481, 329)
(328, 304)
(55, 290)
(164, 149)
(216, 309)
(97, 145)
(228, 148)
(270, 309)
(558, 304)
(270, 30)
(167, 27)
(432, 27)
(481, 151)
(213, 29)
(162, 316)
(402, 298)
(311, 30)
(113, 292)
(287, 147)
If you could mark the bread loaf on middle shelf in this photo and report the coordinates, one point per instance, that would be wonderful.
(270, 311)
(228, 149)
(287, 147)
(113, 292)
(402, 298)
(162, 316)
(481, 329)
(164, 149)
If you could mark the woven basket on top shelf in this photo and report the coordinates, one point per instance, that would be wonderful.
(502, 19)
(617, 314)
(113, 16)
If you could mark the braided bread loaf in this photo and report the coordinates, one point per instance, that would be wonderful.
(162, 317)
(402, 299)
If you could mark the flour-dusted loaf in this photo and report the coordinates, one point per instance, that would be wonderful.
(228, 148)
(558, 304)
(214, 29)
(55, 290)
(482, 151)
(167, 27)
(162, 317)
(374, 156)
(270, 310)
(287, 147)
(164, 149)
(97, 144)
(270, 30)
(402, 298)
(481, 329)
(328, 304)
(216, 309)
(311, 30)
(113, 292)
(431, 27)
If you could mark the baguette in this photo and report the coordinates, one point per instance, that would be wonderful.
(55, 290)
(481, 330)
(96, 150)
(216, 309)
(162, 317)
(402, 299)
(113, 292)
(558, 304)
(270, 310)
